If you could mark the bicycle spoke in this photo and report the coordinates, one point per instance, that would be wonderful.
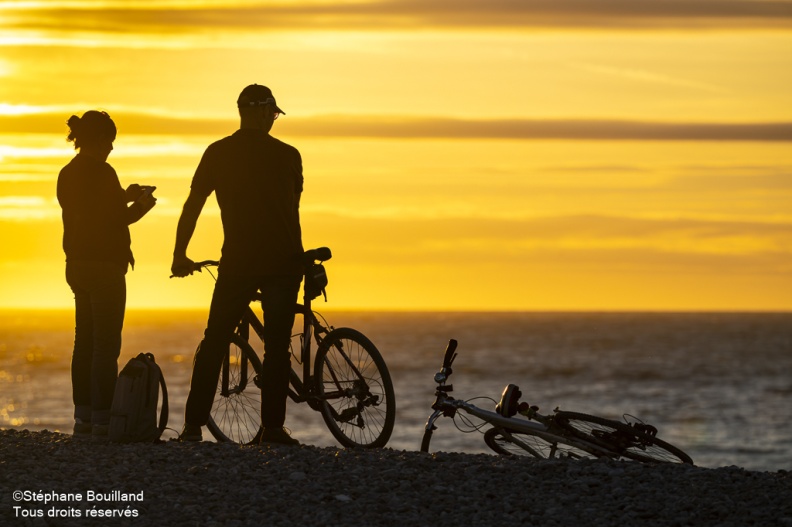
(236, 415)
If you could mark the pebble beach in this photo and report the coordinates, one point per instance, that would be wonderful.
(51, 478)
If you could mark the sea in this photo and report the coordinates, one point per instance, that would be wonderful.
(717, 385)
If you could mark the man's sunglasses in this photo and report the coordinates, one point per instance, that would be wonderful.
(268, 100)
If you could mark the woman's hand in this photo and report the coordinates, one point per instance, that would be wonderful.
(142, 195)
(133, 192)
(147, 201)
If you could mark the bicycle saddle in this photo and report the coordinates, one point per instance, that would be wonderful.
(321, 254)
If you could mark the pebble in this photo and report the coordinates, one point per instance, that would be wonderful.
(224, 484)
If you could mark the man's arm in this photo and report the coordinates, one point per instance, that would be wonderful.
(183, 266)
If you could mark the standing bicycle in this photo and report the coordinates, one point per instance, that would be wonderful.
(569, 435)
(349, 385)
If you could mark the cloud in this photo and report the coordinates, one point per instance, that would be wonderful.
(603, 231)
(123, 17)
(427, 128)
(580, 241)
(771, 185)
(650, 77)
(127, 122)
(581, 231)
(572, 129)
(22, 208)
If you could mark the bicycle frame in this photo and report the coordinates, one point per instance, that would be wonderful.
(448, 406)
(300, 390)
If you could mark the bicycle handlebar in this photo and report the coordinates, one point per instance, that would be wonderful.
(206, 263)
(320, 254)
(450, 354)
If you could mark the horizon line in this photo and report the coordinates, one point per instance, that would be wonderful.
(741, 311)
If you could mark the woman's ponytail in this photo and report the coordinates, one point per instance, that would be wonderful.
(74, 124)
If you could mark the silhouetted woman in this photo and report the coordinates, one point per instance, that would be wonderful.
(98, 250)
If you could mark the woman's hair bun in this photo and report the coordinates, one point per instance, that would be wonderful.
(73, 124)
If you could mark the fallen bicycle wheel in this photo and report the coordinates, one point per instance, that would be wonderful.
(621, 438)
(513, 443)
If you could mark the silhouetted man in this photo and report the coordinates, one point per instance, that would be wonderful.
(258, 182)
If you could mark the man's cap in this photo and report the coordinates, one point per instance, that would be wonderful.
(257, 95)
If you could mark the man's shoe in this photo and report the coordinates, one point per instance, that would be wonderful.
(99, 432)
(191, 433)
(278, 436)
(82, 429)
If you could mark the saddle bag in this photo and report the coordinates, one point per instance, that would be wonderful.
(315, 281)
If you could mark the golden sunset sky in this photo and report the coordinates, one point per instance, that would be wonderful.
(458, 154)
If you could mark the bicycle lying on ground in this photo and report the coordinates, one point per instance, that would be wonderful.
(569, 435)
(350, 385)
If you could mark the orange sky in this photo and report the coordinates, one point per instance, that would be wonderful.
(458, 154)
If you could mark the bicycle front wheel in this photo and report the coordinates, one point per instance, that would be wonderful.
(513, 443)
(621, 438)
(356, 392)
(236, 410)
(429, 430)
(427, 438)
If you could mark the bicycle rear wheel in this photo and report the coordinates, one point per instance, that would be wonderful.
(236, 410)
(621, 438)
(513, 443)
(356, 392)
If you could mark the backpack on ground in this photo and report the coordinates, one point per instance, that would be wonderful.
(133, 416)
